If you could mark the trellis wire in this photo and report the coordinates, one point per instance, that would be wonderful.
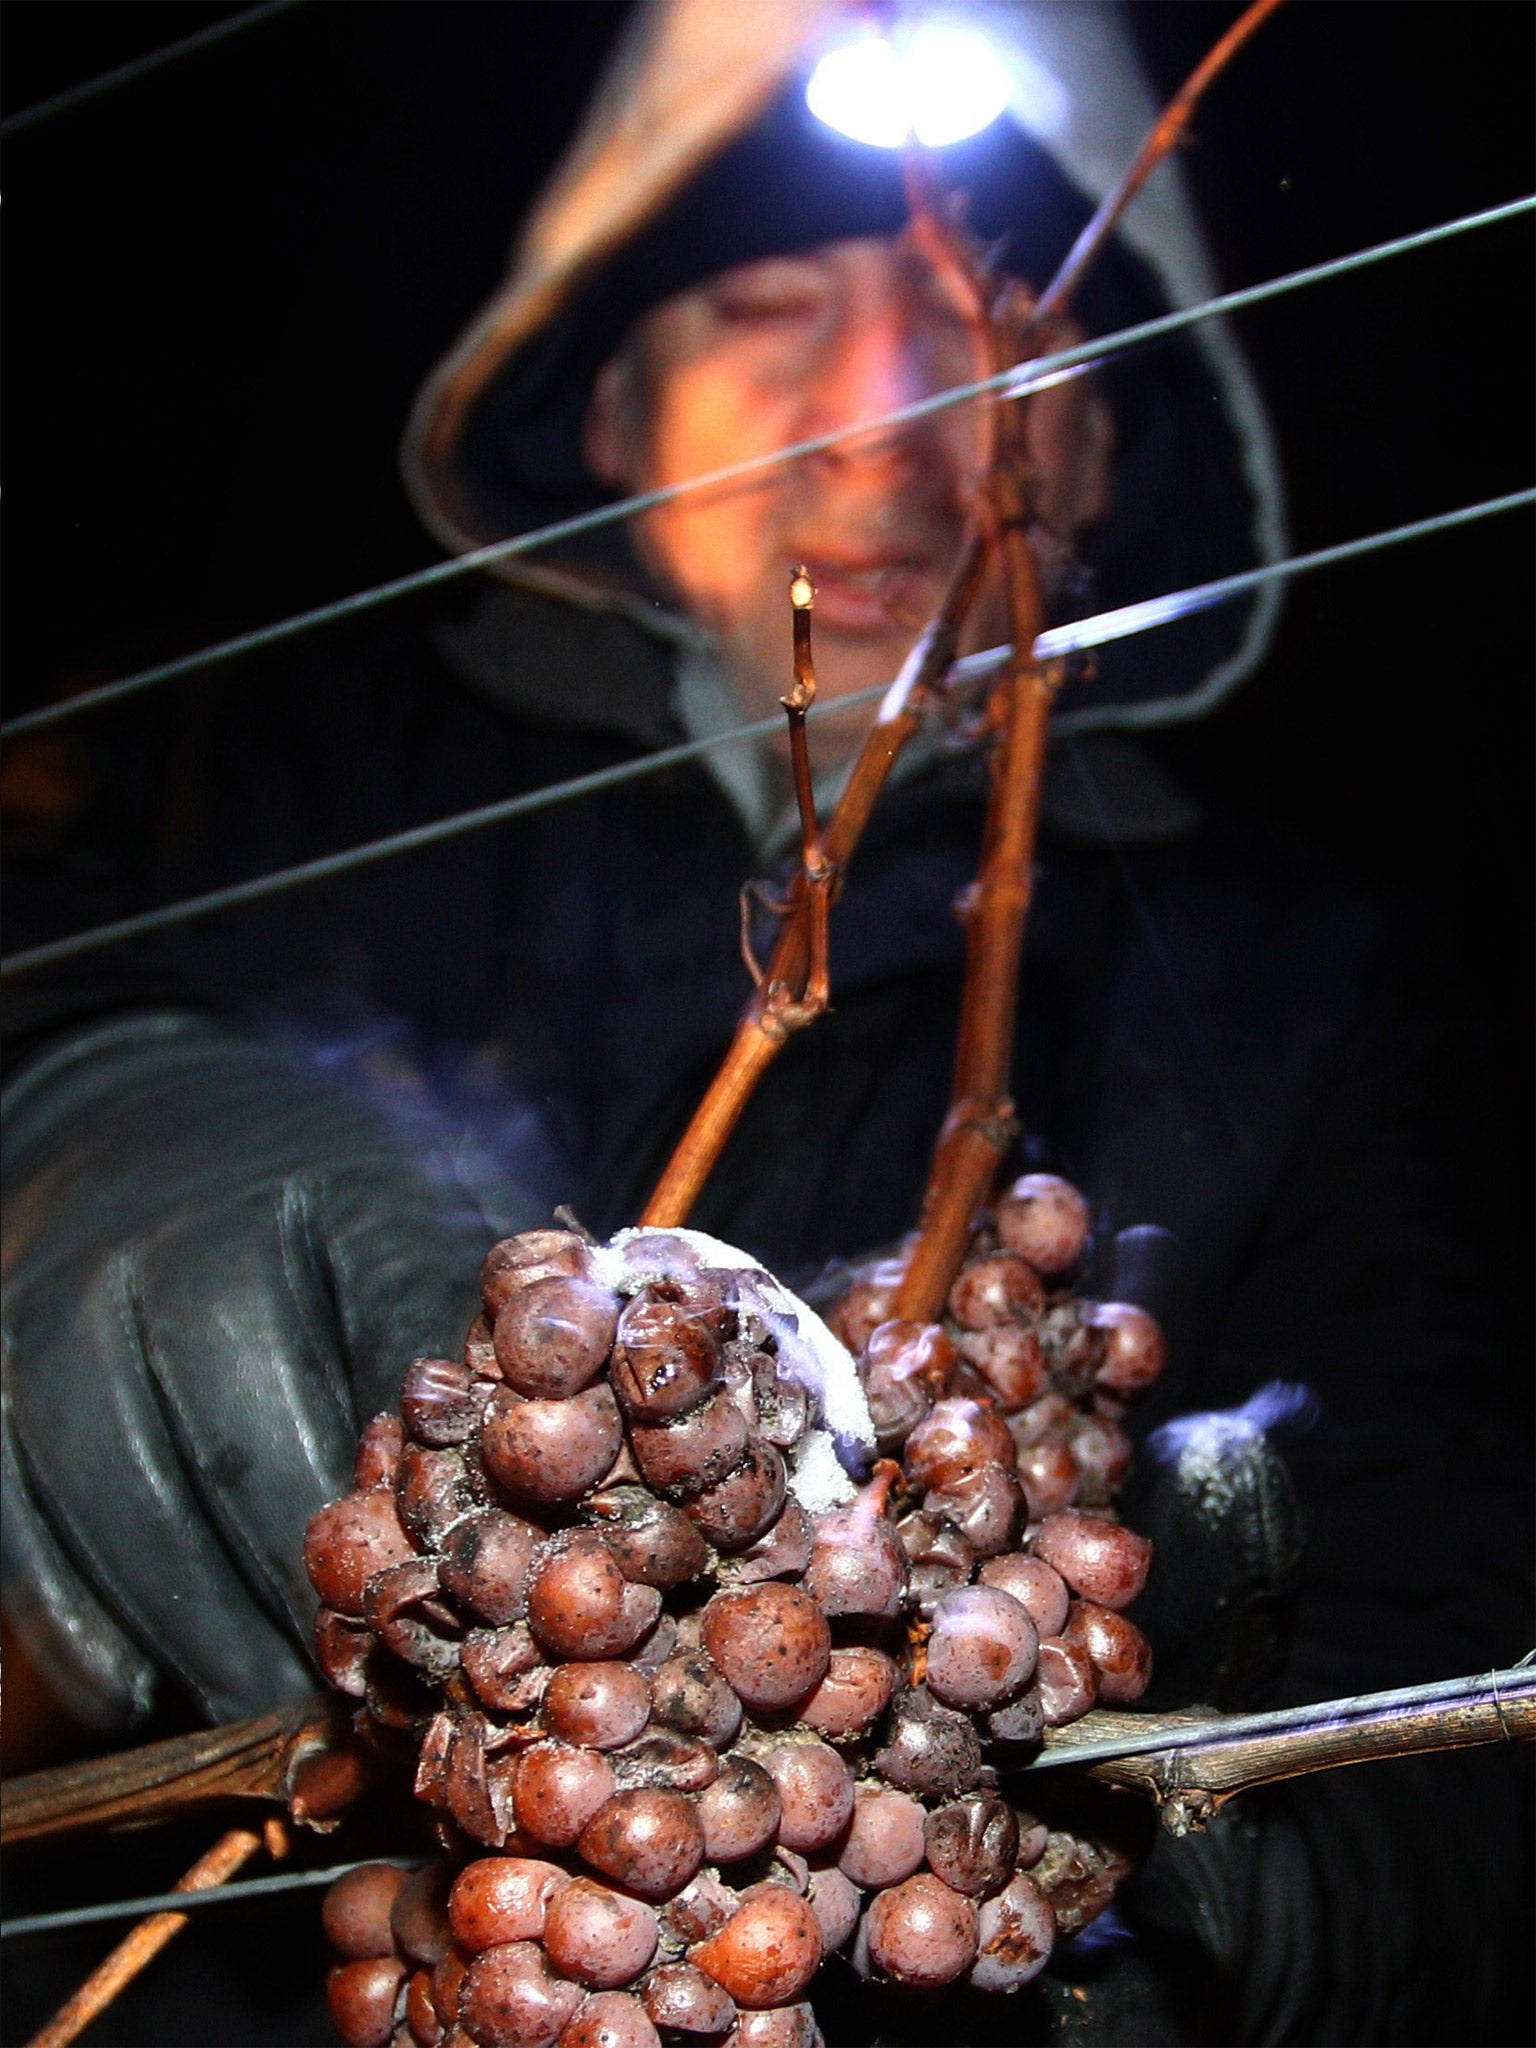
(1516, 1682)
(1013, 383)
(1080, 634)
(129, 74)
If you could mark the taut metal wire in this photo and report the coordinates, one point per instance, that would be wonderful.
(129, 74)
(1080, 634)
(1016, 382)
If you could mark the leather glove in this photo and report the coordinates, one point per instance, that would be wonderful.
(220, 1260)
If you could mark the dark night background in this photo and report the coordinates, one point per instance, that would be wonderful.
(225, 281)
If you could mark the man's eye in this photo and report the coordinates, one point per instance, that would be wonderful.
(766, 308)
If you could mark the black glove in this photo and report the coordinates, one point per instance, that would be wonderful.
(220, 1260)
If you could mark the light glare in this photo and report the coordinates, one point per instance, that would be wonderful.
(939, 83)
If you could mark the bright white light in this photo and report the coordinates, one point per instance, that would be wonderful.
(939, 82)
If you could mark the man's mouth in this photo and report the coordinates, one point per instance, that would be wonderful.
(872, 594)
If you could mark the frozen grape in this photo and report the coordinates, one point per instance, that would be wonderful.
(597, 1705)
(972, 1843)
(1103, 1561)
(557, 1790)
(988, 1506)
(690, 1694)
(421, 2018)
(663, 1758)
(1022, 1720)
(1120, 1652)
(581, 1604)
(1135, 1350)
(441, 1402)
(699, 1910)
(480, 1350)
(347, 1542)
(1017, 1931)
(957, 1438)
(341, 1649)
(651, 1540)
(597, 1936)
(696, 1450)
(378, 1453)
(815, 1789)
(552, 1337)
(837, 1902)
(1009, 1358)
(982, 1649)
(885, 1838)
(485, 1563)
(782, 1552)
(357, 1909)
(1101, 1450)
(433, 1490)
(768, 1951)
(858, 1566)
(418, 1919)
(362, 1998)
(921, 1933)
(998, 1288)
(532, 1255)
(1050, 1478)
(1074, 1344)
(930, 1750)
(739, 1813)
(498, 1899)
(1044, 1220)
(771, 1641)
(505, 1668)
(940, 1557)
(511, 1998)
(781, 1406)
(680, 1998)
(905, 1368)
(738, 1509)
(780, 2026)
(549, 1452)
(668, 1353)
(1037, 1587)
(648, 1841)
(610, 2019)
(868, 1303)
(856, 1691)
(1066, 1681)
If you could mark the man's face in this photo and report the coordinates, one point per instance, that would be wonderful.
(779, 351)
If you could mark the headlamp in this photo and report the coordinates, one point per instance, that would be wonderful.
(938, 80)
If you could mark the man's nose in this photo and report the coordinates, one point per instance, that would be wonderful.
(866, 369)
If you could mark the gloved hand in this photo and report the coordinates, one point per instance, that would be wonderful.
(220, 1260)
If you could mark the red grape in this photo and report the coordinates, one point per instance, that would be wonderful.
(982, 1649)
(357, 1909)
(649, 1842)
(1017, 1932)
(1037, 1586)
(739, 1813)
(553, 1337)
(558, 1788)
(885, 1838)
(512, 1999)
(362, 1997)
(600, 1706)
(551, 1451)
(498, 1899)
(1103, 1561)
(972, 1843)
(771, 1641)
(997, 1288)
(599, 1937)
(768, 1951)
(1045, 1220)
(815, 1789)
(921, 1933)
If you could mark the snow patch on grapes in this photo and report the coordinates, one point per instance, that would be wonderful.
(807, 1349)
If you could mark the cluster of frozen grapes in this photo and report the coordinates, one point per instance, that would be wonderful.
(715, 1713)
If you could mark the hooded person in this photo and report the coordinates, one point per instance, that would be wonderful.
(253, 1163)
